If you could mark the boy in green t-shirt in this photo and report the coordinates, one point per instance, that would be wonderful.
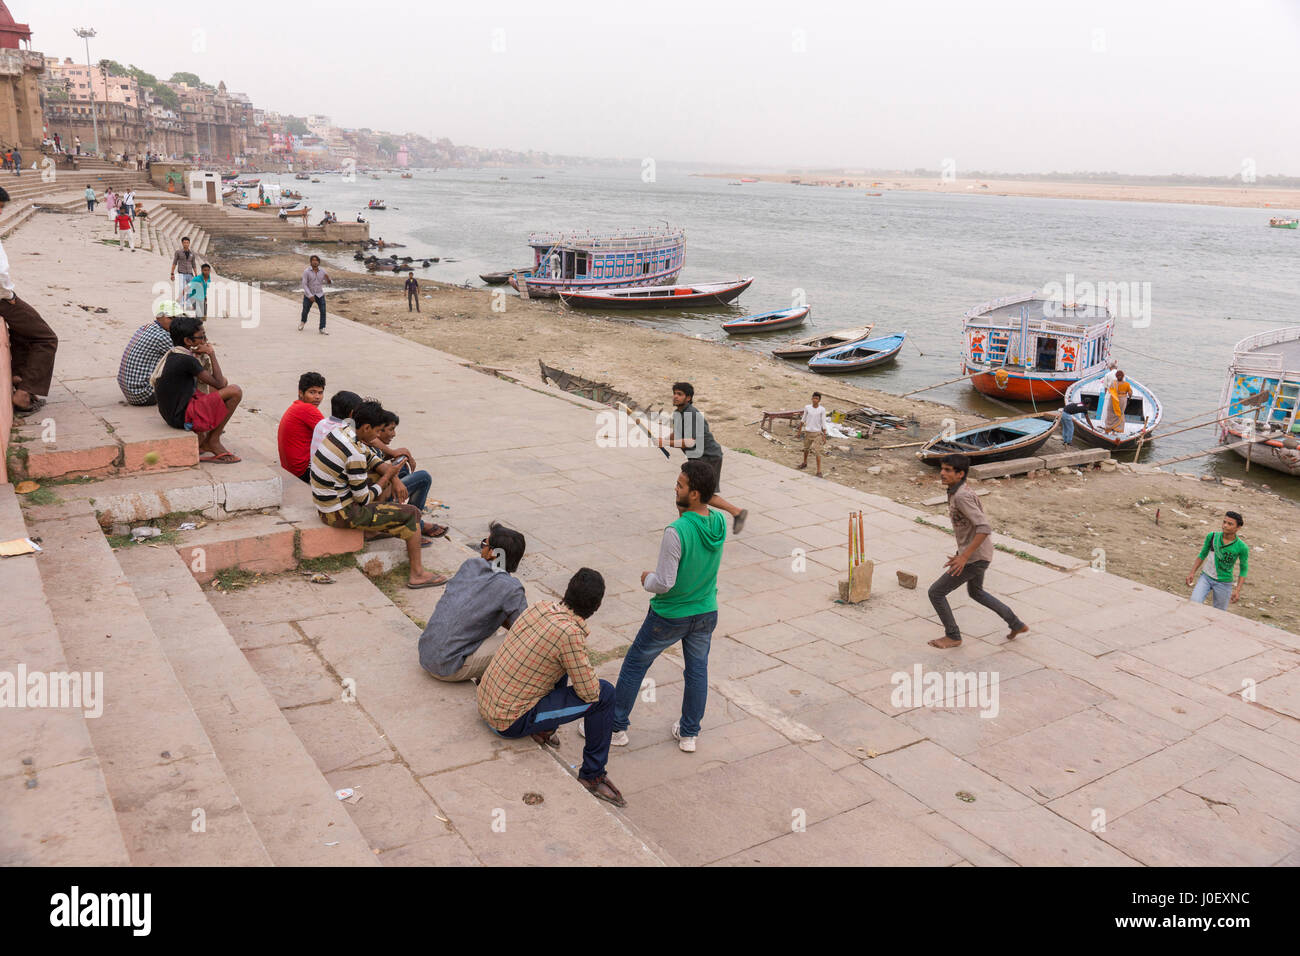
(1228, 550)
(684, 607)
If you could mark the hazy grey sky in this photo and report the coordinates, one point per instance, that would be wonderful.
(1143, 86)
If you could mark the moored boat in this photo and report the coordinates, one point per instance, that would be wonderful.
(768, 321)
(302, 176)
(376, 204)
(808, 347)
(1141, 415)
(1029, 348)
(1261, 398)
(498, 278)
(860, 355)
(1278, 222)
(996, 441)
(700, 295)
(587, 262)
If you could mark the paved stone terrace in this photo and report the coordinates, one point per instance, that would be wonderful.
(1121, 738)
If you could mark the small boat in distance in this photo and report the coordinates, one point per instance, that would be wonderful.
(408, 175)
(810, 346)
(860, 355)
(996, 441)
(875, 194)
(744, 180)
(1278, 222)
(315, 180)
(499, 278)
(376, 204)
(768, 321)
(1141, 415)
(704, 294)
(302, 176)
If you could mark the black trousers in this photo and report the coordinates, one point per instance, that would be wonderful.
(412, 297)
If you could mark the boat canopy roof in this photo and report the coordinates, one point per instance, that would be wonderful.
(1274, 351)
(626, 240)
(1057, 313)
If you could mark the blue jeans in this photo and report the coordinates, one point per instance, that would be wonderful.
(417, 485)
(1206, 585)
(561, 706)
(306, 308)
(656, 635)
(1067, 429)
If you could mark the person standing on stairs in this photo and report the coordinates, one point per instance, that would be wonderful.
(31, 341)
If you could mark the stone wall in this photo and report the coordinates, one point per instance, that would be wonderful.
(21, 122)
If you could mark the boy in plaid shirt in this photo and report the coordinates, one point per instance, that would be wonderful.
(525, 692)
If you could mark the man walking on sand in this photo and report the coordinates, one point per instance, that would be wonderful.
(812, 425)
(974, 553)
(1216, 578)
(698, 443)
(314, 280)
(684, 607)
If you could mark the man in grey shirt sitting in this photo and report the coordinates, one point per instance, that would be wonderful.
(482, 597)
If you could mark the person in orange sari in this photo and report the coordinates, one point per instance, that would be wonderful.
(1116, 401)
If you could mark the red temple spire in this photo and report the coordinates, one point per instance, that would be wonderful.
(11, 33)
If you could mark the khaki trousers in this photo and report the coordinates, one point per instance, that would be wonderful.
(477, 663)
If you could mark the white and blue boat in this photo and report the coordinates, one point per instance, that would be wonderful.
(856, 356)
(1141, 415)
(768, 321)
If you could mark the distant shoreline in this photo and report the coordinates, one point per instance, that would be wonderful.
(1282, 200)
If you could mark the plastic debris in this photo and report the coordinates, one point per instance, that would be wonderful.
(345, 793)
(139, 534)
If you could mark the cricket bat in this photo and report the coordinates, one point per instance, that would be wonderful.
(639, 424)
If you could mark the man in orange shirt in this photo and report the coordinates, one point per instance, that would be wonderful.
(297, 424)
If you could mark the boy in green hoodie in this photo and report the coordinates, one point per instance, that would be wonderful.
(684, 607)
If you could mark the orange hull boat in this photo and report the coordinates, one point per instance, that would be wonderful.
(1020, 388)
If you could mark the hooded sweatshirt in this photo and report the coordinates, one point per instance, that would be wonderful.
(685, 582)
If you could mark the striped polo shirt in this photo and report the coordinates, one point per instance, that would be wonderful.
(340, 472)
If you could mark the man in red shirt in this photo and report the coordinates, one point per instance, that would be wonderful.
(125, 229)
(297, 424)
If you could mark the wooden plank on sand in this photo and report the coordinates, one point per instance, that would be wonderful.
(1001, 469)
(1082, 456)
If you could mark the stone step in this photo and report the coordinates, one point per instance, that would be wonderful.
(55, 808)
(68, 438)
(218, 491)
(433, 777)
(174, 803)
(299, 819)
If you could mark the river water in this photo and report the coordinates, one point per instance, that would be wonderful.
(906, 261)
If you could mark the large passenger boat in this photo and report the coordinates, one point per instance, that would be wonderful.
(1029, 348)
(1261, 396)
(587, 262)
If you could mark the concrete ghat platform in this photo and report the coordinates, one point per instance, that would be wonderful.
(1121, 698)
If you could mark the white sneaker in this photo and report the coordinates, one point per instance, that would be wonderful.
(686, 744)
(617, 739)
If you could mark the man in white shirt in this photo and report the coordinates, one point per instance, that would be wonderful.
(813, 428)
(32, 342)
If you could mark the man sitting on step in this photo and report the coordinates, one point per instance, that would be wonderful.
(526, 692)
(148, 344)
(192, 392)
(346, 496)
(463, 632)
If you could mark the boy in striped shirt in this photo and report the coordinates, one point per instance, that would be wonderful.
(346, 497)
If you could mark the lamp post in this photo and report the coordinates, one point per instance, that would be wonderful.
(86, 34)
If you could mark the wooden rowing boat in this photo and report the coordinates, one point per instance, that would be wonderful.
(772, 321)
(499, 278)
(996, 441)
(704, 294)
(860, 355)
(807, 348)
(1141, 415)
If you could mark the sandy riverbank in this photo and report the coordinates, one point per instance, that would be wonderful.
(1255, 197)
(1074, 514)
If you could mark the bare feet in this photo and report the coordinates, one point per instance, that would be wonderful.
(1022, 629)
(944, 643)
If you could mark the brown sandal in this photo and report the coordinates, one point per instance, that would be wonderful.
(435, 530)
(551, 738)
(602, 789)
